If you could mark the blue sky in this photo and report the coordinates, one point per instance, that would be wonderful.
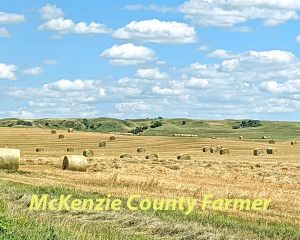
(204, 59)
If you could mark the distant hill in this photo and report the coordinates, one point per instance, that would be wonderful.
(203, 128)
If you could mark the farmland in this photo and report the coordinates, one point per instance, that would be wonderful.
(238, 174)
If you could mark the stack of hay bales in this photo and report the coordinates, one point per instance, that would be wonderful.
(70, 149)
(61, 136)
(257, 151)
(213, 149)
(39, 149)
(216, 149)
(184, 135)
(75, 163)
(206, 149)
(224, 151)
(125, 155)
(9, 158)
(271, 141)
(112, 138)
(53, 131)
(121, 133)
(70, 130)
(102, 144)
(88, 153)
(152, 156)
(271, 151)
(183, 157)
(141, 149)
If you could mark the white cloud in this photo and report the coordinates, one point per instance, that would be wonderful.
(298, 38)
(151, 73)
(138, 106)
(11, 18)
(129, 54)
(34, 71)
(7, 71)
(221, 54)
(51, 12)
(166, 91)
(230, 13)
(4, 33)
(61, 25)
(71, 85)
(157, 31)
(197, 83)
(291, 86)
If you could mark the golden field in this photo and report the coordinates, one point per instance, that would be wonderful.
(237, 175)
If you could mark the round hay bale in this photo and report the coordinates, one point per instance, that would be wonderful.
(61, 136)
(206, 149)
(102, 144)
(214, 149)
(88, 153)
(219, 147)
(257, 151)
(241, 137)
(271, 141)
(214, 138)
(271, 151)
(70, 130)
(9, 158)
(293, 142)
(152, 156)
(141, 149)
(39, 149)
(70, 149)
(75, 163)
(53, 131)
(125, 155)
(224, 151)
(183, 157)
(264, 137)
(112, 138)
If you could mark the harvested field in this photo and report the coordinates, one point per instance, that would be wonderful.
(240, 174)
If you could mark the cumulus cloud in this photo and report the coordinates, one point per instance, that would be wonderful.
(128, 54)
(157, 31)
(51, 12)
(298, 38)
(197, 83)
(34, 71)
(57, 23)
(137, 106)
(291, 86)
(71, 85)
(4, 33)
(221, 54)
(7, 71)
(65, 26)
(151, 73)
(230, 13)
(11, 18)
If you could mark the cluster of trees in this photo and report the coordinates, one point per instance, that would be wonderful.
(248, 123)
(138, 130)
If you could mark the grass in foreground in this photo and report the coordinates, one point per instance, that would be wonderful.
(17, 222)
